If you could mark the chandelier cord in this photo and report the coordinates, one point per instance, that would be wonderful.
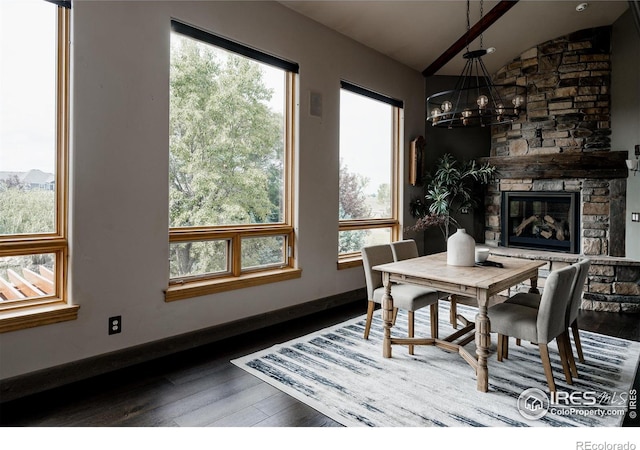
(481, 15)
(468, 25)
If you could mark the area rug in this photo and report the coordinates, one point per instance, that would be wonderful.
(345, 377)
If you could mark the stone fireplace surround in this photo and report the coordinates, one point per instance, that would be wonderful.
(563, 145)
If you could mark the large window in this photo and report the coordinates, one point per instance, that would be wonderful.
(231, 165)
(34, 78)
(369, 143)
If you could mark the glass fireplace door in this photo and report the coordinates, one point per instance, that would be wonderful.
(545, 221)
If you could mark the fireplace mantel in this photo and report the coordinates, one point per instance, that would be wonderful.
(594, 165)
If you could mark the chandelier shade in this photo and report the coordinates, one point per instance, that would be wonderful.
(476, 101)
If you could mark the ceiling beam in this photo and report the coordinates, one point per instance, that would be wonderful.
(485, 22)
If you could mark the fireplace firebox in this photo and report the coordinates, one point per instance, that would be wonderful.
(541, 220)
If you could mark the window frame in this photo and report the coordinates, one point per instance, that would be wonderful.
(56, 307)
(180, 288)
(354, 259)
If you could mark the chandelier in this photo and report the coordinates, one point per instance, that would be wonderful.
(476, 101)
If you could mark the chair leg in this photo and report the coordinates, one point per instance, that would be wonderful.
(453, 312)
(576, 340)
(546, 364)
(518, 342)
(505, 347)
(561, 340)
(395, 316)
(411, 324)
(434, 320)
(570, 358)
(367, 327)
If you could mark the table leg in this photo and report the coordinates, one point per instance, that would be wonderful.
(534, 286)
(387, 315)
(483, 342)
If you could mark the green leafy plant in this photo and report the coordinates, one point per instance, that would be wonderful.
(449, 190)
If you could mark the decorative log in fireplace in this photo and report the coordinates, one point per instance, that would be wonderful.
(541, 220)
(547, 227)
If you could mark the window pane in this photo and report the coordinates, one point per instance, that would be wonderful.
(27, 117)
(198, 258)
(263, 251)
(227, 116)
(353, 240)
(28, 276)
(366, 129)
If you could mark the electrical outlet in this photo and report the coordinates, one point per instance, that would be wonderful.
(115, 324)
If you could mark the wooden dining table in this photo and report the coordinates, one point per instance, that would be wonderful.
(482, 283)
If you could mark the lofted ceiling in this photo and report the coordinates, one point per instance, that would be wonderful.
(417, 32)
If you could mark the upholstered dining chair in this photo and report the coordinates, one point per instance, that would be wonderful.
(576, 303)
(407, 249)
(405, 296)
(539, 325)
(533, 301)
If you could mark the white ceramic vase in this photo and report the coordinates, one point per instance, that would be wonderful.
(461, 249)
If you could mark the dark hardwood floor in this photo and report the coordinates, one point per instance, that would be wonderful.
(201, 387)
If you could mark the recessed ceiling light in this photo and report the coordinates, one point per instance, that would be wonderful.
(582, 6)
(491, 49)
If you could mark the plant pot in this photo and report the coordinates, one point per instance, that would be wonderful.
(461, 249)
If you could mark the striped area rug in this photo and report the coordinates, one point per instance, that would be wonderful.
(346, 378)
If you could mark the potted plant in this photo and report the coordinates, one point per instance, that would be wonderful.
(449, 190)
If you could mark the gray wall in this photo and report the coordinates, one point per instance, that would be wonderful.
(625, 113)
(465, 145)
(119, 172)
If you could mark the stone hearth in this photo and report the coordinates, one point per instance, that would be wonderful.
(612, 284)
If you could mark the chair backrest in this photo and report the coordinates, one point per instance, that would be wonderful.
(556, 295)
(372, 256)
(406, 249)
(576, 290)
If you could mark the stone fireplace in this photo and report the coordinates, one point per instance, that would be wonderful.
(597, 217)
(562, 144)
(561, 147)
